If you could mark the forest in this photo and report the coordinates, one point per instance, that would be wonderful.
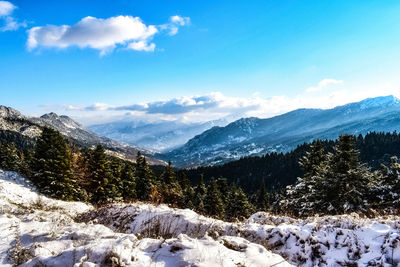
(351, 174)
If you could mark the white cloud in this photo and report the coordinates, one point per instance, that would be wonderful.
(100, 34)
(142, 46)
(323, 84)
(10, 23)
(6, 8)
(174, 23)
(94, 107)
(216, 105)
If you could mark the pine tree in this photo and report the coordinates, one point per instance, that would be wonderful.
(213, 203)
(104, 190)
(183, 180)
(388, 188)
(238, 206)
(144, 178)
(116, 170)
(189, 198)
(200, 193)
(52, 167)
(9, 157)
(261, 201)
(171, 190)
(187, 191)
(347, 180)
(223, 188)
(129, 182)
(307, 195)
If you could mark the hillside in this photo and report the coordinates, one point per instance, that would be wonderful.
(254, 136)
(37, 230)
(27, 129)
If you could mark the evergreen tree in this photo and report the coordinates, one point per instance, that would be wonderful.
(261, 201)
(238, 206)
(187, 191)
(189, 198)
(347, 180)
(307, 195)
(199, 196)
(116, 170)
(213, 203)
(26, 162)
(183, 180)
(101, 176)
(171, 190)
(223, 188)
(52, 167)
(144, 178)
(9, 157)
(128, 182)
(388, 190)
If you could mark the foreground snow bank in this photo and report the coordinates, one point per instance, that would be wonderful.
(344, 240)
(38, 231)
(17, 192)
(35, 230)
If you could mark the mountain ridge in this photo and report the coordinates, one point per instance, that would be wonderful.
(255, 136)
(31, 127)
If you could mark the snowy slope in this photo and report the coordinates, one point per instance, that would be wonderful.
(57, 233)
(316, 241)
(38, 231)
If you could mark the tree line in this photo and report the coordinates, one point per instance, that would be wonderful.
(62, 170)
(278, 170)
(332, 178)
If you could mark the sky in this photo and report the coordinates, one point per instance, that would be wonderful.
(100, 61)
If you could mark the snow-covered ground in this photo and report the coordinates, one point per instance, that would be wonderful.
(38, 231)
(57, 233)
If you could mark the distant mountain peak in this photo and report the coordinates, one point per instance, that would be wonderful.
(7, 112)
(31, 127)
(50, 115)
(282, 133)
(378, 101)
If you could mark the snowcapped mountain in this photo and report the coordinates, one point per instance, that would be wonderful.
(254, 136)
(158, 136)
(31, 127)
(40, 231)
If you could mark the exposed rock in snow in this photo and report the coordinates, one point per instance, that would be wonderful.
(38, 231)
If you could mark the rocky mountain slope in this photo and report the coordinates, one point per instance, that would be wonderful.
(38, 231)
(254, 136)
(31, 127)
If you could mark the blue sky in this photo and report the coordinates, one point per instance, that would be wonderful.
(247, 57)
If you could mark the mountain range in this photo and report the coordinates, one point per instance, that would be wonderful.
(157, 136)
(214, 142)
(29, 128)
(254, 136)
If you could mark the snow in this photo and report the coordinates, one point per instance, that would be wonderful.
(58, 233)
(45, 232)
